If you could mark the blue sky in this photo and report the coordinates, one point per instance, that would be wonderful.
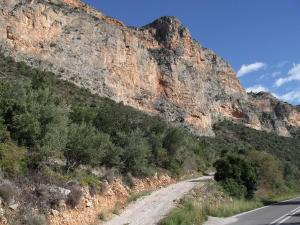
(259, 38)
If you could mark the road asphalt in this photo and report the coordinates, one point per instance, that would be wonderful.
(283, 213)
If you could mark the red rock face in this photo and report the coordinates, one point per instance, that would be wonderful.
(158, 68)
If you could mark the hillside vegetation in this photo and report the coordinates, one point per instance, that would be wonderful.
(50, 118)
(50, 129)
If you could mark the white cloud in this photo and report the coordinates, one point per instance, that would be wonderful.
(245, 69)
(292, 96)
(293, 75)
(257, 88)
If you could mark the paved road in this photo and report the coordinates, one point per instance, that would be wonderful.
(151, 209)
(283, 213)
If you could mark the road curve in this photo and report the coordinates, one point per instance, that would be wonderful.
(151, 209)
(283, 213)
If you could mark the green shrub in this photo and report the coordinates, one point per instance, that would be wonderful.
(189, 213)
(86, 178)
(229, 208)
(234, 171)
(12, 159)
(4, 134)
(271, 179)
(35, 118)
(58, 175)
(232, 188)
(234, 137)
(87, 146)
(136, 153)
(80, 114)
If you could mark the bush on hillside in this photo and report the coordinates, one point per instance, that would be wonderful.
(4, 134)
(233, 188)
(235, 171)
(270, 171)
(12, 159)
(35, 118)
(43, 114)
(87, 146)
(137, 152)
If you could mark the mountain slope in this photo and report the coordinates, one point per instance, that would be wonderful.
(158, 68)
(37, 110)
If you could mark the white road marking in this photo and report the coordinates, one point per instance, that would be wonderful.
(253, 210)
(285, 217)
(241, 214)
(289, 217)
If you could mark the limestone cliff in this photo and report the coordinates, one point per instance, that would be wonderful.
(157, 68)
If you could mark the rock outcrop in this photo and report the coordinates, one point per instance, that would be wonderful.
(157, 68)
(272, 114)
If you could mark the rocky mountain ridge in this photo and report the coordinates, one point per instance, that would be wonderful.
(158, 68)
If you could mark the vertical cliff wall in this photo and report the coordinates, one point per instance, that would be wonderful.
(157, 68)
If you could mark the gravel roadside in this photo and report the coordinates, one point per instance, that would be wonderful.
(151, 209)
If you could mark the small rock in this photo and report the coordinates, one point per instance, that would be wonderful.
(14, 206)
(63, 191)
(62, 205)
(54, 212)
(105, 187)
(89, 204)
(86, 192)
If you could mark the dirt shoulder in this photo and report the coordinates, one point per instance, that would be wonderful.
(90, 207)
(151, 209)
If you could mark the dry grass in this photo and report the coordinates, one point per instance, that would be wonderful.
(230, 208)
